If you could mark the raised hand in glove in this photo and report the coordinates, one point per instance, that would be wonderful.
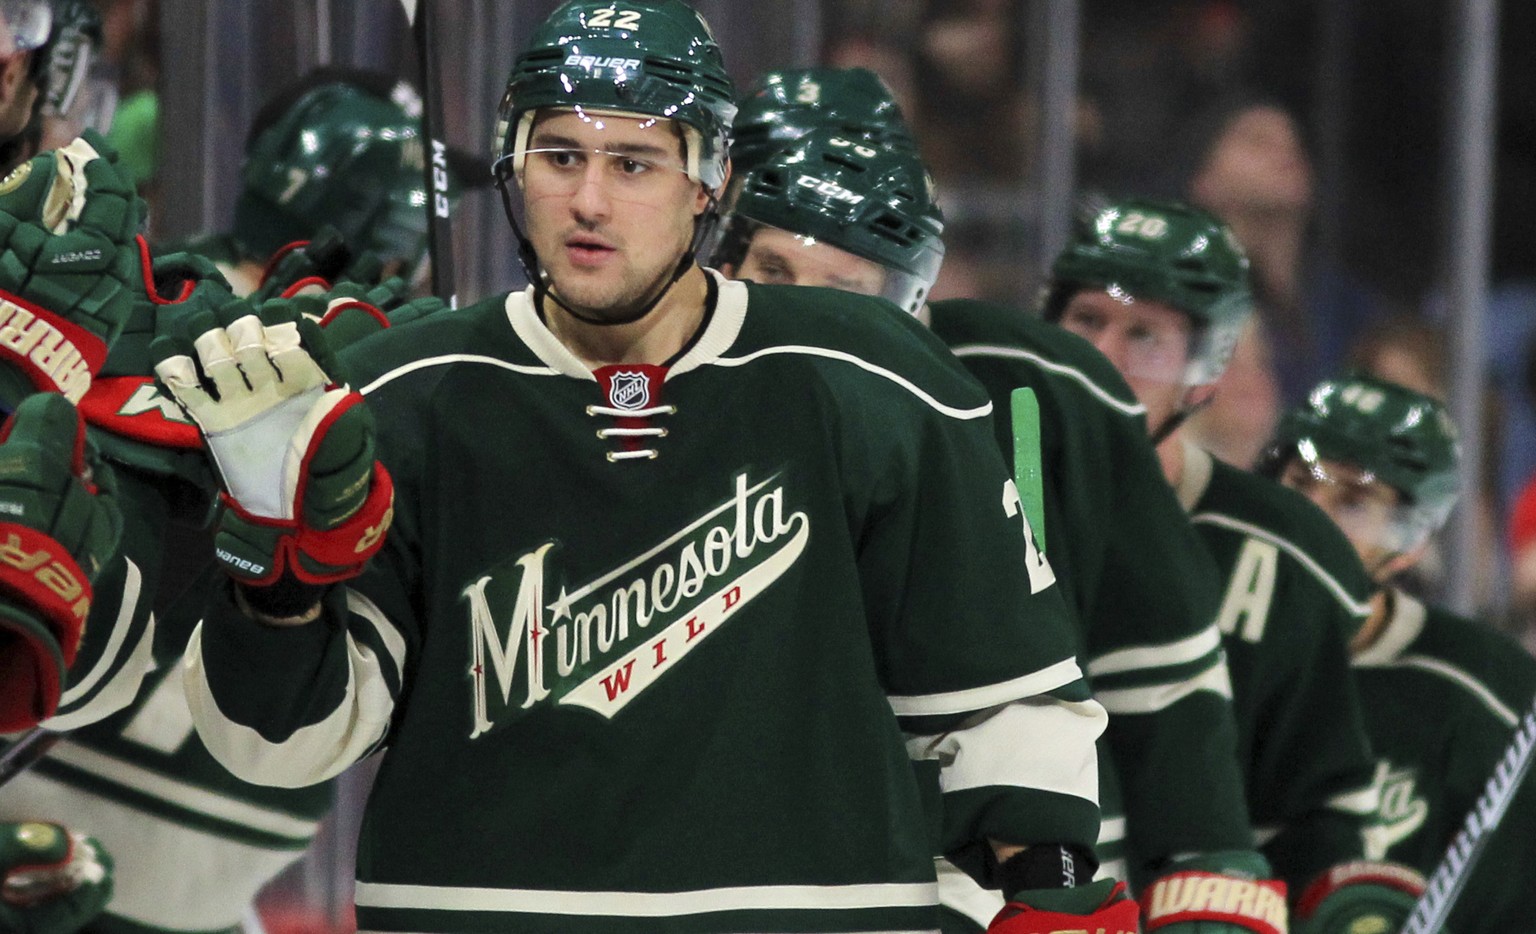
(305, 500)
(52, 880)
(68, 268)
(1217, 893)
(58, 526)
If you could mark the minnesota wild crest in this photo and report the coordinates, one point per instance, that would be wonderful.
(601, 645)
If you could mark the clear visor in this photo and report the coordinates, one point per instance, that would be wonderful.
(561, 171)
(1151, 341)
(27, 23)
(773, 256)
(1369, 511)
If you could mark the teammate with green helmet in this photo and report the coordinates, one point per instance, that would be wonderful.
(782, 106)
(833, 211)
(1383, 462)
(1161, 290)
(340, 148)
(1175, 255)
(1142, 583)
(683, 573)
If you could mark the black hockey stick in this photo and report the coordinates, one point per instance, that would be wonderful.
(24, 753)
(423, 17)
(1455, 868)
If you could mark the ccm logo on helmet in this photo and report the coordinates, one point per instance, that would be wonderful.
(597, 61)
(829, 189)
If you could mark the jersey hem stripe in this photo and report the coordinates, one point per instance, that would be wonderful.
(992, 695)
(647, 904)
(1016, 353)
(1356, 608)
(981, 411)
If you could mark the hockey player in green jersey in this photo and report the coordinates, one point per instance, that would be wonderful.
(835, 207)
(1383, 462)
(1161, 289)
(680, 575)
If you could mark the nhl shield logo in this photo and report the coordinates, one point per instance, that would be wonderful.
(629, 391)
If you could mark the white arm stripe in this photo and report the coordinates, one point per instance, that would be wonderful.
(1157, 697)
(648, 904)
(1462, 679)
(1139, 657)
(184, 794)
(981, 411)
(313, 753)
(1004, 748)
(960, 893)
(991, 695)
(389, 634)
(119, 692)
(1018, 353)
(446, 359)
(1355, 608)
(132, 582)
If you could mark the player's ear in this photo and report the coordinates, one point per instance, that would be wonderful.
(13, 75)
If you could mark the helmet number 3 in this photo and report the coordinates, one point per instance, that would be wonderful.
(1136, 224)
(614, 19)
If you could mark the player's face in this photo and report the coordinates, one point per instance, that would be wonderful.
(1360, 505)
(778, 257)
(1147, 341)
(609, 207)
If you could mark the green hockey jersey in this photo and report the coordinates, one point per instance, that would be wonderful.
(1141, 581)
(654, 648)
(1295, 591)
(1442, 697)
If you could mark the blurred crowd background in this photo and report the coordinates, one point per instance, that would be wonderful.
(1323, 131)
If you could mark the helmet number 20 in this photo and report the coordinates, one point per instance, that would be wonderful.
(614, 19)
(1136, 224)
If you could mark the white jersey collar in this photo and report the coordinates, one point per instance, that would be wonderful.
(719, 334)
(1195, 477)
(1402, 630)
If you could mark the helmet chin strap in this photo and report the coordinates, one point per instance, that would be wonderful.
(1176, 420)
(702, 225)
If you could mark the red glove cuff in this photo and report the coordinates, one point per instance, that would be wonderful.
(46, 578)
(344, 549)
(54, 354)
(1404, 879)
(1118, 915)
(1256, 905)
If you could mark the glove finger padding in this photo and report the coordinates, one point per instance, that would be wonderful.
(68, 268)
(1217, 893)
(1361, 897)
(295, 449)
(59, 525)
(1100, 906)
(52, 880)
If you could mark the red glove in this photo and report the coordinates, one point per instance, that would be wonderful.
(1116, 912)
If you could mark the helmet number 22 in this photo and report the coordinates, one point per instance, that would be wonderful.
(614, 19)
